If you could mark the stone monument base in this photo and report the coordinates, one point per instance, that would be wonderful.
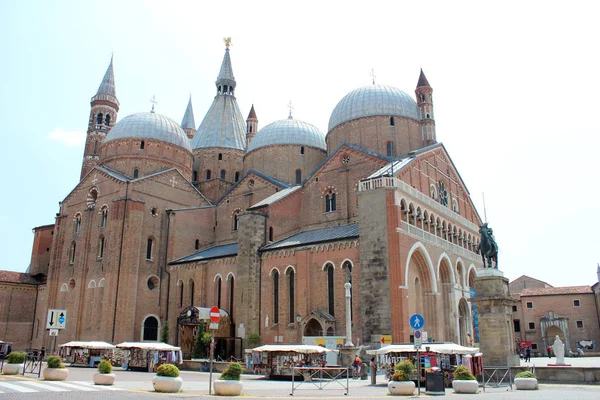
(558, 365)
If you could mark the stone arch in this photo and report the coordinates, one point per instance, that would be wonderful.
(64, 288)
(422, 284)
(464, 321)
(217, 276)
(460, 271)
(101, 283)
(273, 270)
(313, 328)
(420, 248)
(411, 214)
(471, 275)
(229, 276)
(447, 301)
(91, 284)
(445, 257)
(288, 268)
(326, 263)
(150, 328)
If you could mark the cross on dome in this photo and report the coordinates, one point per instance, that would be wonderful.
(372, 75)
(153, 101)
(291, 108)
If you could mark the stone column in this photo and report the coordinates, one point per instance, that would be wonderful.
(494, 305)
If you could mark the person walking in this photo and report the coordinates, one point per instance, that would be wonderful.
(549, 351)
(373, 366)
(528, 354)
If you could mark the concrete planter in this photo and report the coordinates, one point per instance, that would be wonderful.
(56, 374)
(228, 388)
(12, 369)
(526, 383)
(401, 388)
(104, 379)
(471, 386)
(167, 384)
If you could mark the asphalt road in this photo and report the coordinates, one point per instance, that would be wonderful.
(138, 385)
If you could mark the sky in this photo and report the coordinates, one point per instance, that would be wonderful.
(515, 86)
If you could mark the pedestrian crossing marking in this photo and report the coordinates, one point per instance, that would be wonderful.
(45, 386)
(78, 387)
(32, 386)
(17, 388)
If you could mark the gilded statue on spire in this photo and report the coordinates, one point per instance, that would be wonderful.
(227, 41)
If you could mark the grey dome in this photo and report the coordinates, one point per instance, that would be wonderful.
(288, 131)
(149, 125)
(373, 100)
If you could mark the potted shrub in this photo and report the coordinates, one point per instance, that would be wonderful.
(229, 383)
(400, 383)
(167, 379)
(526, 380)
(14, 362)
(55, 370)
(464, 381)
(104, 376)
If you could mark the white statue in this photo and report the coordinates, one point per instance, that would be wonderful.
(559, 350)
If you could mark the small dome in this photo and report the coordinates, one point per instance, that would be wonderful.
(149, 125)
(288, 131)
(372, 100)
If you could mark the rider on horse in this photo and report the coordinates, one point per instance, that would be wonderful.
(488, 247)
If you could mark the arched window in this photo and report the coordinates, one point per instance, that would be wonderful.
(392, 122)
(197, 244)
(101, 247)
(208, 173)
(220, 156)
(99, 119)
(150, 329)
(235, 220)
(298, 176)
(107, 120)
(330, 201)
(149, 249)
(219, 292)
(194, 176)
(389, 149)
(231, 294)
(302, 150)
(72, 255)
(276, 297)
(180, 288)
(77, 223)
(223, 174)
(192, 287)
(330, 291)
(291, 295)
(237, 176)
(270, 234)
(104, 213)
(142, 145)
(135, 173)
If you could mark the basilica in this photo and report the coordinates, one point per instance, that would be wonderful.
(267, 223)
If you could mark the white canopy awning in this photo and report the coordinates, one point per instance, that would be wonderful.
(89, 345)
(442, 348)
(148, 346)
(293, 348)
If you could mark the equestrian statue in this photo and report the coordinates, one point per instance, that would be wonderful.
(488, 247)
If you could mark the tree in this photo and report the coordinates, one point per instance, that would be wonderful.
(201, 343)
(253, 340)
(164, 336)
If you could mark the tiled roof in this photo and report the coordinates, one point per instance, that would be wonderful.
(422, 80)
(262, 175)
(225, 250)
(553, 291)
(17, 277)
(317, 236)
(274, 198)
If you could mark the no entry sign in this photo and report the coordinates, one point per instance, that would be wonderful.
(215, 315)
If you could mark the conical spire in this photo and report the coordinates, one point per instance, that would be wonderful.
(252, 114)
(422, 80)
(108, 82)
(188, 118)
(226, 81)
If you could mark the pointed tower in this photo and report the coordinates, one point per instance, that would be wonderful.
(425, 103)
(251, 125)
(103, 116)
(188, 124)
(220, 142)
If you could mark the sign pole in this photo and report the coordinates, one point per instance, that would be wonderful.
(419, 373)
(212, 346)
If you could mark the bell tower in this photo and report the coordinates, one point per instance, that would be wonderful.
(425, 104)
(251, 125)
(103, 115)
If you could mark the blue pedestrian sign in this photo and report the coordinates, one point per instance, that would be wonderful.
(417, 321)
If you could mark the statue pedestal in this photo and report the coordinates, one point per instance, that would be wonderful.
(494, 306)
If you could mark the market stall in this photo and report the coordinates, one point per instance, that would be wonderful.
(88, 353)
(147, 356)
(277, 361)
(431, 357)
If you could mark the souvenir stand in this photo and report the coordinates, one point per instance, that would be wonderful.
(86, 353)
(277, 361)
(432, 357)
(147, 356)
(4, 349)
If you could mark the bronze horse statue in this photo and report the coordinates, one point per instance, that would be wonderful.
(488, 247)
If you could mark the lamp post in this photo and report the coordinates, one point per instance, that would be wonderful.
(349, 343)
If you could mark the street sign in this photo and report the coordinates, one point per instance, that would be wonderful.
(418, 339)
(425, 336)
(53, 332)
(57, 319)
(215, 314)
(416, 321)
(212, 325)
(386, 339)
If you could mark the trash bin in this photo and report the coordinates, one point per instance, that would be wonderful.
(434, 382)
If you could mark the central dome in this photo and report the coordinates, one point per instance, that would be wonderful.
(373, 100)
(149, 125)
(288, 131)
